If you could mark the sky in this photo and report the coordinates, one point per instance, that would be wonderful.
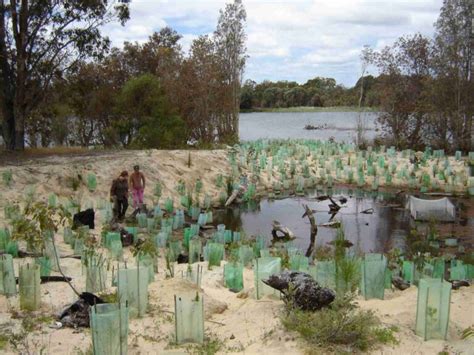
(292, 40)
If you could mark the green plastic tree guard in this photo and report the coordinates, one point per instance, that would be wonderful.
(245, 255)
(29, 285)
(188, 233)
(147, 261)
(408, 271)
(439, 267)
(150, 224)
(133, 288)
(299, 263)
(458, 270)
(109, 328)
(141, 220)
(169, 205)
(195, 250)
(67, 235)
(259, 244)
(52, 200)
(373, 271)
(45, 265)
(110, 237)
(161, 239)
(234, 276)
(324, 273)
(7, 276)
(91, 182)
(51, 251)
(12, 248)
(3, 238)
(263, 269)
(95, 273)
(133, 231)
(433, 307)
(174, 249)
(215, 253)
(189, 318)
(116, 250)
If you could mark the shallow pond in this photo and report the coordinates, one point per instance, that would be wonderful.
(380, 231)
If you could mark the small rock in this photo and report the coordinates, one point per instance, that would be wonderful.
(232, 337)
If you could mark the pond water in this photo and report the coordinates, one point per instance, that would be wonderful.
(281, 125)
(381, 231)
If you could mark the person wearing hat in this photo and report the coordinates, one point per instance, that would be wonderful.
(137, 183)
(119, 195)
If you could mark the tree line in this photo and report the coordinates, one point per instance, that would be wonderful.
(316, 92)
(426, 87)
(62, 84)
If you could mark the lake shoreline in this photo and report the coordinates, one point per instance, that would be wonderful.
(311, 109)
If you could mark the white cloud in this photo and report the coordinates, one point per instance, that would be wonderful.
(292, 39)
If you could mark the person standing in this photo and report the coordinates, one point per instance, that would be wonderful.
(119, 195)
(137, 183)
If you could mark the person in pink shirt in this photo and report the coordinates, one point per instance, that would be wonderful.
(137, 184)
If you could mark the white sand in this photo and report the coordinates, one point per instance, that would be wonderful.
(244, 325)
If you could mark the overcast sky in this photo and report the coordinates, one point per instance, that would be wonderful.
(293, 39)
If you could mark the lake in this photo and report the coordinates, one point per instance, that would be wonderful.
(281, 125)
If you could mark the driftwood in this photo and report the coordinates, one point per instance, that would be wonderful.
(232, 197)
(277, 227)
(300, 290)
(314, 230)
(368, 211)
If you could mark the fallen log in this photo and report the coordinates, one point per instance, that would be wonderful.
(301, 291)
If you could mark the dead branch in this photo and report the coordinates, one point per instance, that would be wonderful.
(278, 227)
(314, 230)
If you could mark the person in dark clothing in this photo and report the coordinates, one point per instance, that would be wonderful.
(119, 195)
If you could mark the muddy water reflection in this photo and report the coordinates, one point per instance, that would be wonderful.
(381, 231)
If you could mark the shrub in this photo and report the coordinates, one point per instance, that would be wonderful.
(341, 327)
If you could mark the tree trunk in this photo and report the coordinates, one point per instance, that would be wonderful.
(8, 124)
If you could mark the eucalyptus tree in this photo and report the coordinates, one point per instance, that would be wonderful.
(453, 90)
(40, 41)
(230, 45)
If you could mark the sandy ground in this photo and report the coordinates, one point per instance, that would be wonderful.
(242, 323)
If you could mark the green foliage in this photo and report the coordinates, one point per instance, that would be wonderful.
(39, 218)
(347, 267)
(341, 327)
(145, 247)
(418, 247)
(146, 111)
